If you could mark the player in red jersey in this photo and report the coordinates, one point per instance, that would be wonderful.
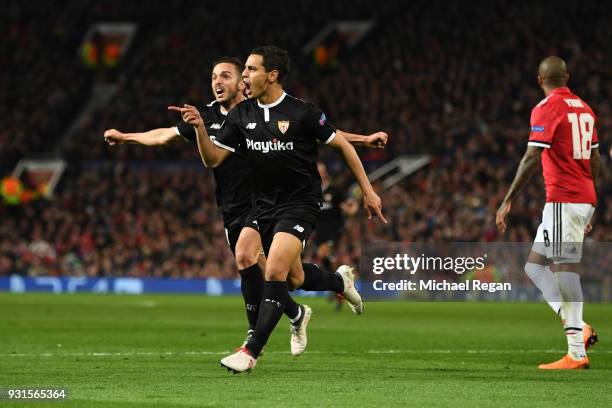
(563, 136)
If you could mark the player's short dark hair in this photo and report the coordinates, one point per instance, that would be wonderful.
(274, 58)
(235, 61)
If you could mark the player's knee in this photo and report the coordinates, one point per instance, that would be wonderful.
(245, 259)
(276, 273)
(294, 282)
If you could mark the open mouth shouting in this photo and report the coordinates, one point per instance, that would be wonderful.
(219, 92)
(247, 89)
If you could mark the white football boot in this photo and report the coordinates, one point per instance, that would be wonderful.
(350, 292)
(240, 361)
(298, 333)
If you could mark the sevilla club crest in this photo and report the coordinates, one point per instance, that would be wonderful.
(283, 125)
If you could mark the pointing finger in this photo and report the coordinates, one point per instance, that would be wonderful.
(177, 109)
(380, 214)
(501, 223)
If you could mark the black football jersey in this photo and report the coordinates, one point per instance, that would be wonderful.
(332, 219)
(233, 188)
(331, 211)
(280, 140)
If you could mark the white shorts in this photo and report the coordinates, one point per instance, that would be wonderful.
(561, 233)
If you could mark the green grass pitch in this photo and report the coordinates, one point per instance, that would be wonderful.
(164, 351)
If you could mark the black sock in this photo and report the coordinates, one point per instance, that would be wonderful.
(270, 311)
(252, 286)
(292, 309)
(317, 280)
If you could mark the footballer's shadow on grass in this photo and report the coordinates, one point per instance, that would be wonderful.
(215, 373)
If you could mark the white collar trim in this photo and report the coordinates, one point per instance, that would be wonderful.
(273, 104)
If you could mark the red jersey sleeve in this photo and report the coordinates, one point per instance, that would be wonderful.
(543, 124)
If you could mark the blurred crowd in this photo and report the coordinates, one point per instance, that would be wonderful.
(110, 221)
(452, 80)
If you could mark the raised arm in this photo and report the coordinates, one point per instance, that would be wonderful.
(376, 140)
(155, 137)
(528, 166)
(371, 200)
(212, 156)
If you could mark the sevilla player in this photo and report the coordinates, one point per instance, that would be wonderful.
(564, 138)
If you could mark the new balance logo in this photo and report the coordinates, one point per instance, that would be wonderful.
(299, 228)
(250, 126)
(215, 126)
(269, 146)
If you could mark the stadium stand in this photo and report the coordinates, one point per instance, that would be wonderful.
(137, 211)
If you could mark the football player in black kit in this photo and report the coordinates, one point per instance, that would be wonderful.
(233, 189)
(335, 206)
(279, 134)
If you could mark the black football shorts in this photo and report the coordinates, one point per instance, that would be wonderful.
(297, 221)
(232, 233)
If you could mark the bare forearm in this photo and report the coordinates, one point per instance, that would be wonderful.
(209, 153)
(527, 167)
(352, 138)
(352, 160)
(155, 137)
(371, 201)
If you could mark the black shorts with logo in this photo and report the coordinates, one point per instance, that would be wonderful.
(298, 221)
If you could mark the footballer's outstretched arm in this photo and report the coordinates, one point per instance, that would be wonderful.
(155, 137)
(212, 156)
(528, 166)
(371, 200)
(376, 140)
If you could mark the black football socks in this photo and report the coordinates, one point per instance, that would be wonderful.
(252, 287)
(271, 309)
(293, 310)
(316, 279)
